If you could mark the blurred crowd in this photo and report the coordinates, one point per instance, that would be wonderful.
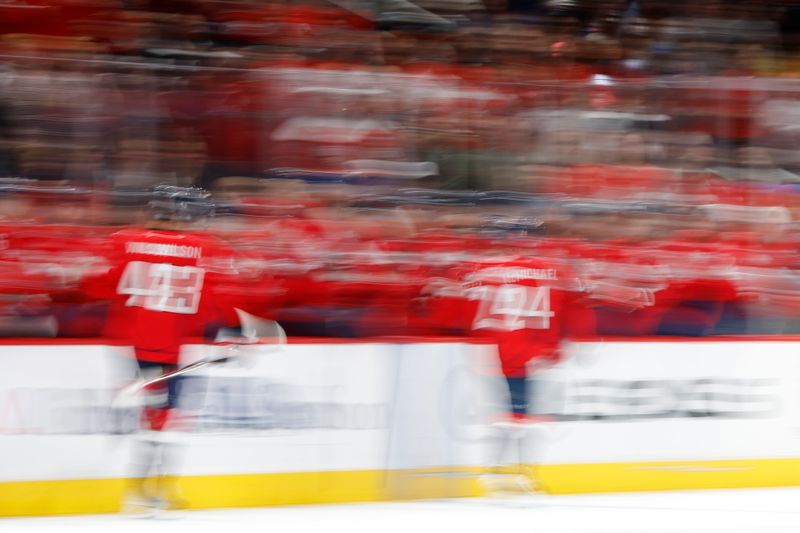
(367, 260)
(358, 150)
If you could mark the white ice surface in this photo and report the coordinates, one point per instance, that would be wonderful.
(729, 511)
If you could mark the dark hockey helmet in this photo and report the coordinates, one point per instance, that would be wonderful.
(170, 202)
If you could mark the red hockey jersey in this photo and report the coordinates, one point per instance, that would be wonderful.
(526, 306)
(162, 289)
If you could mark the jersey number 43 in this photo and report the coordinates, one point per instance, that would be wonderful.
(162, 287)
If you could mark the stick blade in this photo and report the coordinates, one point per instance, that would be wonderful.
(257, 330)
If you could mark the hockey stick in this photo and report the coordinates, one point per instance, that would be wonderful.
(254, 331)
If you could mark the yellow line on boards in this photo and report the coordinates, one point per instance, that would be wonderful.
(672, 475)
(33, 498)
(28, 498)
(72, 496)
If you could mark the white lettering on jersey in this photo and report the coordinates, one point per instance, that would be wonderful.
(511, 307)
(163, 250)
(162, 287)
(512, 274)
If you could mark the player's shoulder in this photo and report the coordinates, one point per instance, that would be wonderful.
(166, 236)
(522, 270)
(521, 261)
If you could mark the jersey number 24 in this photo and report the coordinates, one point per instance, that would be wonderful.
(512, 307)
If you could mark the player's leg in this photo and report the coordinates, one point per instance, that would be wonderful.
(509, 473)
(506, 426)
(151, 484)
(530, 428)
(139, 495)
(518, 394)
(169, 450)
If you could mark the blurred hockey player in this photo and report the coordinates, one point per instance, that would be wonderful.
(527, 307)
(162, 291)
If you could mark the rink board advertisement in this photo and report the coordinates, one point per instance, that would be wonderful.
(335, 422)
(657, 415)
(311, 423)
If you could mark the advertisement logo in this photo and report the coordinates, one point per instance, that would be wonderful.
(647, 399)
(62, 411)
(254, 403)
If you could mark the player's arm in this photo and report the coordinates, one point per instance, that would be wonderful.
(100, 281)
(440, 307)
(579, 319)
(237, 281)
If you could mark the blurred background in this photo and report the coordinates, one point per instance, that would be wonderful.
(356, 149)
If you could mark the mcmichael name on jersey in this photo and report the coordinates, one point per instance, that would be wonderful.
(513, 274)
